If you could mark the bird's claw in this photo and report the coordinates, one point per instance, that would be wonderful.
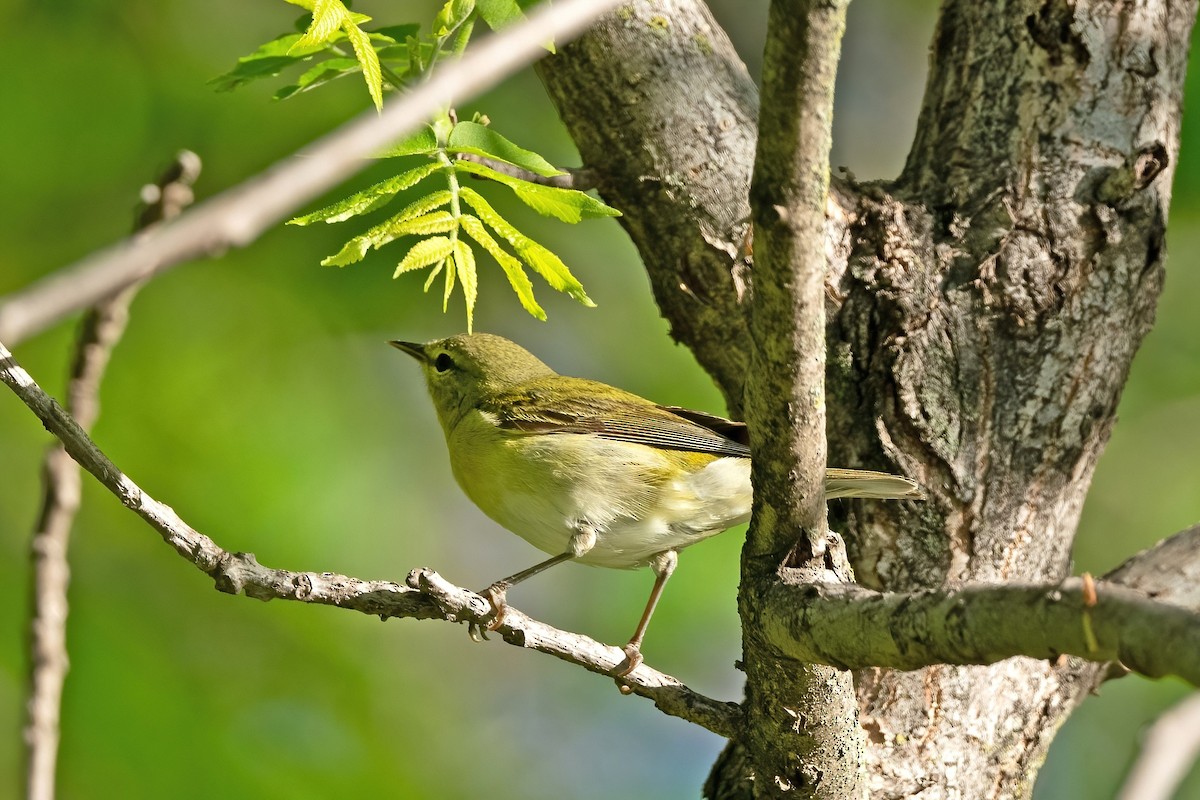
(633, 660)
(495, 595)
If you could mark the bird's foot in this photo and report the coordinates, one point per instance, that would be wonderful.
(633, 660)
(495, 595)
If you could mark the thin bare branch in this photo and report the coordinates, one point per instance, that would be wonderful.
(99, 332)
(239, 215)
(432, 597)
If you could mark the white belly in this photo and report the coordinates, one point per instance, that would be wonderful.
(544, 487)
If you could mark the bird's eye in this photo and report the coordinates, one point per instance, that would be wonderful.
(443, 362)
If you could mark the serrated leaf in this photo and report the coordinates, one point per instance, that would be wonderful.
(464, 257)
(568, 205)
(471, 137)
(541, 260)
(451, 271)
(437, 222)
(552, 269)
(365, 52)
(433, 273)
(322, 73)
(421, 143)
(425, 252)
(499, 13)
(517, 278)
(356, 249)
(327, 19)
(266, 62)
(369, 199)
(453, 14)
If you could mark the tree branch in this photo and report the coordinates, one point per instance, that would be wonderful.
(815, 749)
(662, 109)
(99, 332)
(427, 596)
(853, 627)
(239, 215)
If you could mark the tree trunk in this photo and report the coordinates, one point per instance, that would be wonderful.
(983, 311)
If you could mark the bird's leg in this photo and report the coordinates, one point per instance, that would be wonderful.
(663, 565)
(581, 541)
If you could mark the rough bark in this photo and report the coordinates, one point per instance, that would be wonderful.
(984, 309)
(801, 730)
(666, 76)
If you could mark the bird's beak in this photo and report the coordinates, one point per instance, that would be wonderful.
(415, 350)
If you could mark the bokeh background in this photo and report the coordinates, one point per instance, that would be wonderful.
(255, 394)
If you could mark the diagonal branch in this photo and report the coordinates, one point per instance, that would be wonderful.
(238, 216)
(427, 597)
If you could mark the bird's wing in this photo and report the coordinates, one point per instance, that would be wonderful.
(576, 405)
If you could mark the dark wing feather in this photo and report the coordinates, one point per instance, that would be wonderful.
(559, 404)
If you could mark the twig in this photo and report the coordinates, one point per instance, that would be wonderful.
(239, 215)
(240, 573)
(99, 331)
(1169, 748)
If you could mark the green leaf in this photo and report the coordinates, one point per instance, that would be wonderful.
(365, 52)
(453, 14)
(437, 222)
(371, 198)
(462, 37)
(451, 271)
(471, 137)
(266, 62)
(423, 143)
(330, 21)
(553, 270)
(424, 253)
(568, 205)
(465, 258)
(356, 249)
(433, 273)
(499, 13)
(543, 262)
(322, 73)
(512, 267)
(328, 17)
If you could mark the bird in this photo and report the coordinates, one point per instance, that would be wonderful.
(591, 473)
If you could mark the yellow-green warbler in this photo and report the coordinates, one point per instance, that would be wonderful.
(591, 473)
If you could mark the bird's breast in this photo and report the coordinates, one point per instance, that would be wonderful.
(640, 500)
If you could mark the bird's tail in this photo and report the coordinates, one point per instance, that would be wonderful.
(864, 483)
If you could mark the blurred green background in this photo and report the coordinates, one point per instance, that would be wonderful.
(255, 394)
